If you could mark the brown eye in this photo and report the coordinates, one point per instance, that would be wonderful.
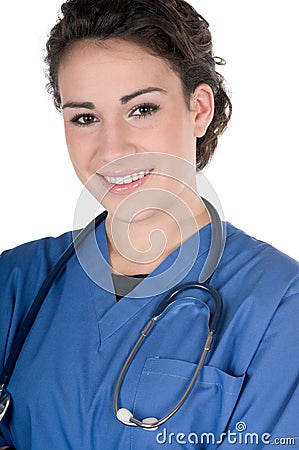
(84, 119)
(145, 110)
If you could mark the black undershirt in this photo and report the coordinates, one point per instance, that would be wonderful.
(123, 284)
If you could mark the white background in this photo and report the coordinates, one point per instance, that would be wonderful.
(255, 170)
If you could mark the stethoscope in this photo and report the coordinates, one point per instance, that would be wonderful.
(123, 414)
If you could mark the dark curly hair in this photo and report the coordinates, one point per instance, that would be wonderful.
(170, 29)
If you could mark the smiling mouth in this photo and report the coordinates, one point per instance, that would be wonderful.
(127, 179)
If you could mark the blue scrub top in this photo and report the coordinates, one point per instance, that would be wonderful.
(62, 387)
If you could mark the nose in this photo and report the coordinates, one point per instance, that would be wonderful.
(115, 142)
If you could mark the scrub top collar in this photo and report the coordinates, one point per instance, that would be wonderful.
(159, 281)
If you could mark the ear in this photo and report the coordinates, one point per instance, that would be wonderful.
(202, 104)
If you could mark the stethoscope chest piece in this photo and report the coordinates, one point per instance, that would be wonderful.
(125, 416)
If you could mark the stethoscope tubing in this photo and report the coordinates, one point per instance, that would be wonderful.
(170, 297)
(214, 255)
(154, 423)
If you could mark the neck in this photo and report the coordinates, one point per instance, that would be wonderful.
(141, 245)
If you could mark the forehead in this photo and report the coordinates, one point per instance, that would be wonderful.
(113, 65)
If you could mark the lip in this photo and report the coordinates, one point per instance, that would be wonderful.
(124, 189)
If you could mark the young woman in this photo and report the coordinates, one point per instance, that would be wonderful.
(143, 107)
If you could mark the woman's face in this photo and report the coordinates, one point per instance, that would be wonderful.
(126, 121)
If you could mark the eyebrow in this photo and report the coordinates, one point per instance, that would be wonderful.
(125, 99)
(87, 105)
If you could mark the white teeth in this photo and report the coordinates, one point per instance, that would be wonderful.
(127, 179)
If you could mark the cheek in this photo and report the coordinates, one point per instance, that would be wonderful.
(177, 138)
(81, 148)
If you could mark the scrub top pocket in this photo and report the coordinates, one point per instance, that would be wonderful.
(203, 417)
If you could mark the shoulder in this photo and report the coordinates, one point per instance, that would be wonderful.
(22, 271)
(35, 256)
(256, 272)
(259, 286)
(24, 268)
(258, 255)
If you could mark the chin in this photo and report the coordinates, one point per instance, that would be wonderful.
(136, 217)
